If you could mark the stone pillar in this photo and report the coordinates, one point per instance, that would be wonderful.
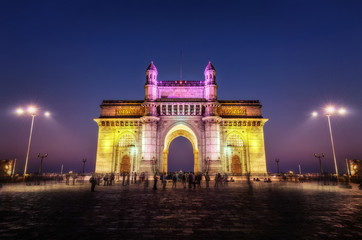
(212, 140)
(256, 149)
(105, 148)
(149, 143)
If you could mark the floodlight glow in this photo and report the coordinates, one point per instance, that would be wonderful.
(330, 109)
(31, 110)
(19, 111)
(342, 111)
(314, 114)
(47, 114)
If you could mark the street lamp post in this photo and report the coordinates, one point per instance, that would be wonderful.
(330, 110)
(33, 112)
(320, 161)
(334, 153)
(41, 161)
(31, 133)
(277, 161)
(84, 160)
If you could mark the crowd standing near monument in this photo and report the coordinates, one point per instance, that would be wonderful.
(187, 180)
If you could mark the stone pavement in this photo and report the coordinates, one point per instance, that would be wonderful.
(262, 211)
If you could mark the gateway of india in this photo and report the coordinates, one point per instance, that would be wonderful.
(226, 135)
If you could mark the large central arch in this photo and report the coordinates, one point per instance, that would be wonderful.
(177, 131)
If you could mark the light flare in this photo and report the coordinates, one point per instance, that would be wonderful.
(330, 109)
(19, 111)
(31, 109)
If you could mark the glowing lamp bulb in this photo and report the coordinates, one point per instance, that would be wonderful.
(47, 114)
(342, 111)
(330, 110)
(31, 110)
(19, 111)
(314, 114)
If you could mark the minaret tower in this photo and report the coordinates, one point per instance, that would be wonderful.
(210, 83)
(211, 120)
(151, 82)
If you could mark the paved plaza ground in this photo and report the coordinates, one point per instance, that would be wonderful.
(239, 211)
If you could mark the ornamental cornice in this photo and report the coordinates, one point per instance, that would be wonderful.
(146, 119)
(212, 104)
(149, 104)
(211, 119)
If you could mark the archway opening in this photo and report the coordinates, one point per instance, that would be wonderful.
(181, 155)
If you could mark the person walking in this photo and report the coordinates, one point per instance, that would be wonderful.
(164, 180)
(67, 177)
(216, 181)
(174, 180)
(199, 179)
(226, 180)
(155, 182)
(207, 179)
(146, 179)
(111, 179)
(93, 182)
(127, 181)
(190, 179)
(183, 179)
(74, 178)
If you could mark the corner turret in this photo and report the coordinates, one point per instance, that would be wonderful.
(210, 82)
(151, 82)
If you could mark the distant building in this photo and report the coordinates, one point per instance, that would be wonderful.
(227, 135)
(6, 167)
(355, 167)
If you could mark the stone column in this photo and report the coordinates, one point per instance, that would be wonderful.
(212, 140)
(149, 142)
(256, 149)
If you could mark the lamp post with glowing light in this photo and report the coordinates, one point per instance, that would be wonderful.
(33, 112)
(277, 161)
(41, 161)
(320, 161)
(330, 110)
(84, 160)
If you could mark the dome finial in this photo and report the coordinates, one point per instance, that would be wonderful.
(151, 67)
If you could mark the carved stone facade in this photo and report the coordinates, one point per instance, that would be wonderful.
(227, 136)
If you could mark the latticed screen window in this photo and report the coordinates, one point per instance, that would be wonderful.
(180, 108)
(235, 141)
(127, 140)
(169, 109)
(197, 109)
(175, 109)
(186, 109)
(163, 110)
(192, 109)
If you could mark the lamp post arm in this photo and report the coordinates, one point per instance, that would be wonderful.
(27, 154)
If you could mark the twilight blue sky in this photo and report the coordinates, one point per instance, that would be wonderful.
(293, 56)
